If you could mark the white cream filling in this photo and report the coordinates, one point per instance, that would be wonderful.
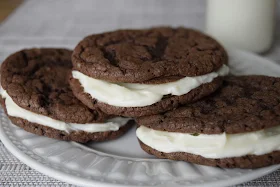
(139, 95)
(14, 110)
(212, 146)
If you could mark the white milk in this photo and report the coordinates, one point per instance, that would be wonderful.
(245, 24)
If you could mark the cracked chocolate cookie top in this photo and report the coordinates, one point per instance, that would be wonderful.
(242, 104)
(148, 56)
(37, 80)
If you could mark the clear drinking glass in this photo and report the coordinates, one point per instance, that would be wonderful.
(244, 24)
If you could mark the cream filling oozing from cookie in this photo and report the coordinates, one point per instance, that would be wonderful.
(139, 95)
(16, 111)
(212, 146)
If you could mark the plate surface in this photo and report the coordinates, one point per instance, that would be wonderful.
(122, 162)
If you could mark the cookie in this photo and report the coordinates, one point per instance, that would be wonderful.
(37, 97)
(237, 126)
(245, 162)
(142, 55)
(144, 72)
(166, 103)
(77, 136)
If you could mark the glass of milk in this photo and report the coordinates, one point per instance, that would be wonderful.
(244, 24)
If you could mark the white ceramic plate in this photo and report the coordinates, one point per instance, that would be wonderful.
(122, 162)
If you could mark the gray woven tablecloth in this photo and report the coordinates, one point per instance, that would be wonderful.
(62, 23)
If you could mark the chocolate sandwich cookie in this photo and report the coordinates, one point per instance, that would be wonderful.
(37, 97)
(144, 72)
(236, 127)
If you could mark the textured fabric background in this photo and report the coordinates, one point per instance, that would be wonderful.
(62, 23)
